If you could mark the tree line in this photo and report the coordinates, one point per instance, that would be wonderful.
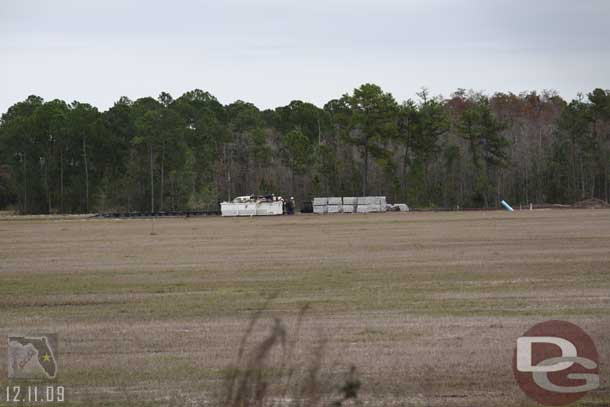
(467, 150)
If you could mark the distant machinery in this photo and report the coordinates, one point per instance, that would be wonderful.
(253, 205)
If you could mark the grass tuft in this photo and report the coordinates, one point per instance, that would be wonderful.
(268, 373)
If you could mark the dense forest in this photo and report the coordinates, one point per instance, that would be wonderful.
(468, 150)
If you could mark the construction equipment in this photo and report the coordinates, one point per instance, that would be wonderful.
(253, 205)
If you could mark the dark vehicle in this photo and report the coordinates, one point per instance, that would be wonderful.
(307, 207)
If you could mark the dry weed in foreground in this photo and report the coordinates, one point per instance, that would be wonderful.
(254, 381)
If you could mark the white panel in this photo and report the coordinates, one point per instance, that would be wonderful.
(334, 208)
(269, 208)
(228, 209)
(247, 209)
(320, 201)
(320, 209)
(363, 208)
(348, 208)
(251, 208)
(374, 208)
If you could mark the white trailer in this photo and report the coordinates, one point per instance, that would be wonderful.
(252, 206)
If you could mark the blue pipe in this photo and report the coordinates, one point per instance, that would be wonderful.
(507, 206)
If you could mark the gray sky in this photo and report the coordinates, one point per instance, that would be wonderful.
(270, 52)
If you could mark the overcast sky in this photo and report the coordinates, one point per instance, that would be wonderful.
(270, 52)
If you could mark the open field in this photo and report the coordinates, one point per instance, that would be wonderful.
(427, 306)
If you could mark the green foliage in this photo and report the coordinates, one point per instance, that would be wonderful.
(203, 199)
(298, 149)
(579, 167)
(368, 119)
(191, 152)
(420, 127)
(488, 148)
(8, 188)
(308, 118)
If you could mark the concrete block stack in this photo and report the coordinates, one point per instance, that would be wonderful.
(376, 203)
(383, 204)
(335, 205)
(349, 204)
(363, 204)
(320, 205)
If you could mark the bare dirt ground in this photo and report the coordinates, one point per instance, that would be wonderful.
(427, 306)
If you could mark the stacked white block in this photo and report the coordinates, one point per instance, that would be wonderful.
(335, 204)
(362, 200)
(320, 205)
(320, 201)
(334, 208)
(335, 201)
(320, 209)
(376, 203)
(349, 208)
(382, 203)
(349, 204)
(350, 200)
(363, 204)
(362, 208)
(371, 203)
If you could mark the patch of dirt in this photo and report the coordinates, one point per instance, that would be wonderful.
(426, 305)
(592, 203)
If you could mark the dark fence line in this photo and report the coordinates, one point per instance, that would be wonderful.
(164, 214)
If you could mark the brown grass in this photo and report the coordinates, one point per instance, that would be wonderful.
(249, 382)
(426, 305)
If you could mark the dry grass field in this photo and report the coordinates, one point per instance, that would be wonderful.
(426, 306)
